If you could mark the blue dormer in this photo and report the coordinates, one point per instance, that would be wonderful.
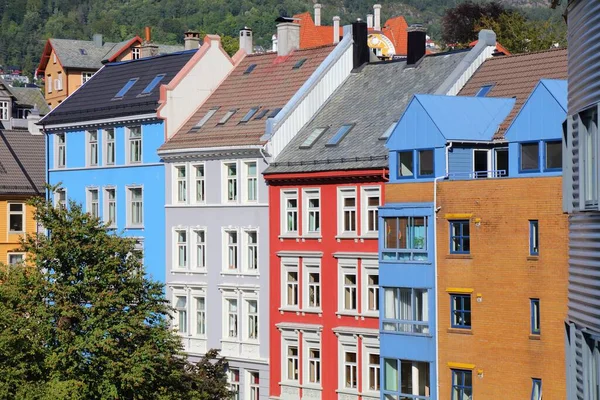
(447, 135)
(535, 135)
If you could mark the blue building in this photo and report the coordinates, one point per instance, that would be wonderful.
(102, 146)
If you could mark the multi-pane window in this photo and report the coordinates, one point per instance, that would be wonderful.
(372, 292)
(231, 175)
(535, 317)
(312, 211)
(232, 250)
(251, 181)
(16, 217)
(200, 239)
(292, 361)
(290, 211)
(4, 110)
(93, 203)
(462, 384)
(199, 180)
(200, 316)
(86, 76)
(314, 287)
(61, 150)
(460, 241)
(370, 210)
(530, 157)
(460, 311)
(182, 248)
(181, 177)
(291, 288)
(181, 310)
(136, 207)
(534, 238)
(234, 382)
(251, 251)
(232, 318)
(407, 379)
(373, 372)
(405, 310)
(135, 53)
(426, 163)
(536, 389)
(349, 291)
(252, 319)
(348, 210)
(110, 199)
(109, 135)
(15, 258)
(254, 385)
(60, 198)
(350, 370)
(405, 239)
(134, 140)
(92, 137)
(314, 365)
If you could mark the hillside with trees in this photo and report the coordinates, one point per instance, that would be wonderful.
(26, 24)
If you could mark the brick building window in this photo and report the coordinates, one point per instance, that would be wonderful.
(460, 311)
(535, 317)
(460, 241)
(534, 238)
(462, 384)
(536, 389)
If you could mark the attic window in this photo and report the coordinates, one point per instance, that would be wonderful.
(388, 131)
(126, 88)
(274, 112)
(262, 113)
(83, 52)
(312, 138)
(249, 114)
(249, 69)
(153, 84)
(299, 63)
(226, 117)
(484, 90)
(205, 119)
(339, 135)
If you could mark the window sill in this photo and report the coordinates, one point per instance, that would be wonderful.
(354, 392)
(348, 236)
(533, 258)
(290, 236)
(319, 312)
(459, 256)
(425, 335)
(133, 227)
(239, 273)
(535, 337)
(230, 340)
(460, 331)
(291, 384)
(16, 232)
(341, 314)
(189, 271)
(285, 309)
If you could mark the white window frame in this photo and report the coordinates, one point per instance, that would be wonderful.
(226, 249)
(176, 317)
(344, 193)
(106, 150)
(12, 254)
(370, 345)
(366, 193)
(89, 207)
(58, 82)
(195, 294)
(86, 76)
(195, 243)
(247, 315)
(246, 248)
(289, 340)
(177, 244)
(307, 195)
(106, 206)
(56, 197)
(57, 153)
(22, 213)
(49, 83)
(228, 297)
(180, 184)
(129, 143)
(136, 53)
(226, 181)
(197, 180)
(130, 223)
(347, 267)
(289, 194)
(369, 268)
(310, 266)
(248, 181)
(4, 109)
(253, 389)
(347, 348)
(289, 265)
(311, 340)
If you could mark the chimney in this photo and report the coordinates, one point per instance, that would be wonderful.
(97, 39)
(369, 21)
(336, 29)
(288, 38)
(360, 51)
(377, 19)
(317, 14)
(416, 44)
(32, 119)
(274, 42)
(191, 40)
(246, 40)
(148, 33)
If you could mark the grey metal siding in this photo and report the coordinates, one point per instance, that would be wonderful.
(460, 160)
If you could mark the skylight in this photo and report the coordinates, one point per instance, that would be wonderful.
(249, 69)
(205, 119)
(126, 88)
(153, 84)
(226, 117)
(249, 114)
(299, 63)
(83, 52)
(339, 135)
(484, 90)
(312, 138)
(274, 112)
(262, 113)
(388, 131)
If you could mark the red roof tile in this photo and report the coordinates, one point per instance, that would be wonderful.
(396, 30)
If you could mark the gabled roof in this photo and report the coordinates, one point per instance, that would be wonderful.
(22, 163)
(558, 90)
(516, 76)
(31, 97)
(96, 98)
(373, 100)
(269, 85)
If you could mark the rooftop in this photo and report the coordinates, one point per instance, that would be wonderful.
(22, 163)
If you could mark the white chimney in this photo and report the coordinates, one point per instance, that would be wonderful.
(369, 21)
(377, 20)
(32, 119)
(336, 29)
(317, 14)
(274, 42)
(288, 38)
(191, 40)
(246, 40)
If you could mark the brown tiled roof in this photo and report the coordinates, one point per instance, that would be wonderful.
(269, 86)
(516, 76)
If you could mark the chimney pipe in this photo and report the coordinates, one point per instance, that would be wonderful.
(377, 20)
(191, 40)
(336, 29)
(97, 39)
(246, 40)
(369, 21)
(360, 51)
(148, 33)
(32, 119)
(416, 44)
(317, 14)
(288, 38)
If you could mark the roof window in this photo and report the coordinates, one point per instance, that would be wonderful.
(274, 112)
(262, 113)
(249, 114)
(226, 117)
(153, 84)
(83, 52)
(204, 119)
(484, 90)
(249, 69)
(388, 131)
(299, 63)
(312, 138)
(339, 135)
(126, 88)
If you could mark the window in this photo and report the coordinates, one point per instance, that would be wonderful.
(588, 154)
(226, 117)
(372, 285)
(135, 144)
(484, 90)
(249, 69)
(200, 185)
(405, 164)
(249, 115)
(553, 153)
(426, 163)
(205, 119)
(93, 205)
(292, 363)
(232, 318)
(536, 389)
(388, 131)
(291, 287)
(349, 290)
(109, 136)
(261, 114)
(110, 207)
(251, 181)
(312, 138)
(4, 110)
(200, 316)
(350, 370)
(274, 112)
(61, 147)
(200, 237)
(16, 258)
(181, 311)
(312, 276)
(407, 378)
(348, 211)
(135, 53)
(462, 384)
(251, 251)
(530, 157)
(299, 63)
(234, 382)
(373, 372)
(155, 81)
(60, 198)
(312, 212)
(136, 206)
(232, 250)
(16, 217)
(128, 85)
(370, 211)
(290, 211)
(405, 239)
(314, 365)
(481, 161)
(460, 242)
(92, 137)
(49, 84)
(254, 384)
(405, 310)
(180, 173)
(181, 244)
(59, 81)
(460, 311)
(231, 173)
(252, 319)
(339, 135)
(535, 317)
(534, 238)
(86, 76)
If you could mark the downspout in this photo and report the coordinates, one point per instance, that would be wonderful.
(47, 161)
(260, 149)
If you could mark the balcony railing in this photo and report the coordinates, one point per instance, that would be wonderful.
(497, 173)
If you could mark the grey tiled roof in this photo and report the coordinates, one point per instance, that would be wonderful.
(31, 97)
(372, 99)
(22, 163)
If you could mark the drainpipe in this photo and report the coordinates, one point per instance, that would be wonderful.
(448, 147)
(263, 154)
(47, 161)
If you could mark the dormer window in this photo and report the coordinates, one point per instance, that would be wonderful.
(4, 110)
(126, 88)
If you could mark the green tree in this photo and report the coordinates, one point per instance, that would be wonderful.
(81, 321)
(458, 23)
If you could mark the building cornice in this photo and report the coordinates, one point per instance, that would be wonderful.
(306, 254)
(210, 153)
(364, 175)
(352, 254)
(101, 122)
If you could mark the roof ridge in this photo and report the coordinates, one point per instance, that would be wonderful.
(296, 51)
(177, 53)
(526, 54)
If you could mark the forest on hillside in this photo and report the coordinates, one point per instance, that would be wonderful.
(26, 24)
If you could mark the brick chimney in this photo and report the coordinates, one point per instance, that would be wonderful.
(317, 14)
(416, 44)
(377, 19)
(288, 38)
(246, 40)
(336, 29)
(191, 40)
(148, 49)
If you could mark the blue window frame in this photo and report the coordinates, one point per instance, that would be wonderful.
(534, 238)
(529, 157)
(262, 113)
(153, 84)
(460, 241)
(462, 384)
(535, 317)
(553, 155)
(460, 311)
(126, 88)
(398, 381)
(426, 163)
(405, 310)
(536, 389)
(405, 239)
(406, 165)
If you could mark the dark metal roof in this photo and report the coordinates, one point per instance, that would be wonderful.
(22, 163)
